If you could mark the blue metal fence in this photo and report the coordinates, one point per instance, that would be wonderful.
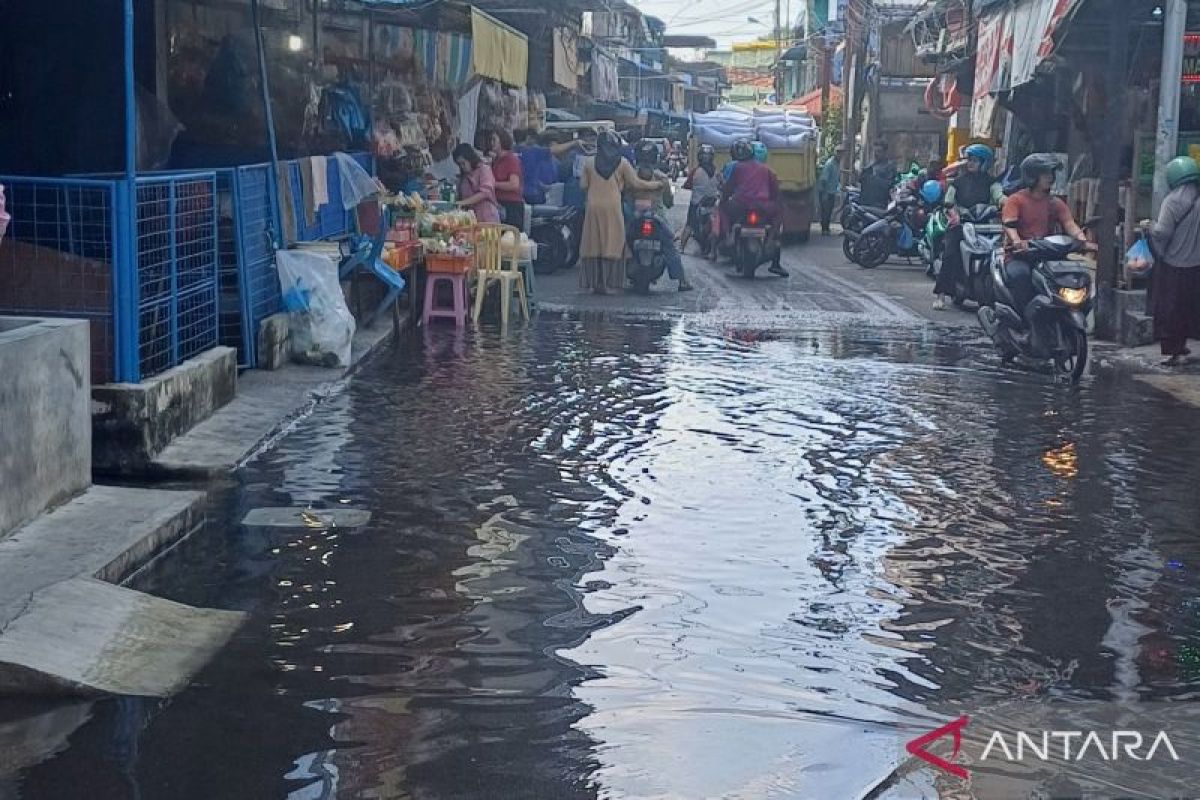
(190, 265)
(60, 256)
(176, 246)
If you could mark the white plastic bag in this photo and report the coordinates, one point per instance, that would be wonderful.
(357, 183)
(4, 217)
(322, 327)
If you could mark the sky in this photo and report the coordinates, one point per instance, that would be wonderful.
(722, 20)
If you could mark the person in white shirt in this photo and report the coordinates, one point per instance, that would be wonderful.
(704, 183)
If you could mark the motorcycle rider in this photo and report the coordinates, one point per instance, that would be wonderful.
(974, 186)
(704, 184)
(654, 203)
(1033, 213)
(751, 185)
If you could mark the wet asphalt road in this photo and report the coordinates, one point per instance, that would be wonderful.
(743, 551)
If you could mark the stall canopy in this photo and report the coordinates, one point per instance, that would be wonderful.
(499, 52)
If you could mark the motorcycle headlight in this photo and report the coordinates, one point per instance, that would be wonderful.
(1072, 297)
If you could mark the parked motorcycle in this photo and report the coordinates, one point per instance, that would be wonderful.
(931, 241)
(558, 232)
(894, 234)
(982, 243)
(648, 262)
(1052, 325)
(854, 220)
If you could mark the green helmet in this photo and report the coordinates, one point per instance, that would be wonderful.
(1182, 170)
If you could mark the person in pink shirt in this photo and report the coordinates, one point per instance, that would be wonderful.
(476, 184)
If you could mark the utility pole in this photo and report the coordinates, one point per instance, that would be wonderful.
(1116, 78)
(778, 57)
(1165, 139)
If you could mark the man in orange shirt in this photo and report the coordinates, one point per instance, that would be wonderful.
(1032, 213)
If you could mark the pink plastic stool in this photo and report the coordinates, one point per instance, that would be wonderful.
(458, 310)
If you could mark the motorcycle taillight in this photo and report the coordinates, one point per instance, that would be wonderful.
(752, 219)
(647, 228)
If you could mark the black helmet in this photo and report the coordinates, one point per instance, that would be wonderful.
(646, 154)
(1036, 165)
(706, 153)
(741, 150)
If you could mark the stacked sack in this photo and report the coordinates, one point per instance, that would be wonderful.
(723, 127)
(784, 128)
(774, 127)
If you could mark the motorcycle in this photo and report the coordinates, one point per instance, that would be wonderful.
(702, 230)
(894, 234)
(1052, 326)
(753, 243)
(648, 262)
(932, 241)
(982, 240)
(854, 220)
(558, 232)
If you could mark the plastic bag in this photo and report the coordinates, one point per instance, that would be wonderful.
(322, 326)
(1138, 259)
(357, 183)
(4, 217)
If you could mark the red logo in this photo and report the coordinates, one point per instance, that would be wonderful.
(917, 747)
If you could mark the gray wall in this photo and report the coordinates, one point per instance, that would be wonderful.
(45, 416)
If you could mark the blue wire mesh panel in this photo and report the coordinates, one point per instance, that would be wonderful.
(177, 278)
(57, 258)
(255, 215)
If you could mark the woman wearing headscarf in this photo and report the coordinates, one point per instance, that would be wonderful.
(1175, 282)
(605, 179)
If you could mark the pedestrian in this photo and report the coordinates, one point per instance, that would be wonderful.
(1175, 282)
(829, 185)
(539, 155)
(877, 178)
(476, 184)
(605, 179)
(506, 168)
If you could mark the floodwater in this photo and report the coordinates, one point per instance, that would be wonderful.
(658, 559)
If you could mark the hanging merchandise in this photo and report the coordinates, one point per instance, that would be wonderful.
(468, 113)
(4, 216)
(604, 77)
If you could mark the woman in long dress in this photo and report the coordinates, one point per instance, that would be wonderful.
(605, 179)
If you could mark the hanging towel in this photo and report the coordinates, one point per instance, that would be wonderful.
(287, 209)
(306, 190)
(320, 173)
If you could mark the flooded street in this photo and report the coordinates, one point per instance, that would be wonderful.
(621, 558)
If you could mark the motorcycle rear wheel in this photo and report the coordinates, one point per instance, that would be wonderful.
(848, 248)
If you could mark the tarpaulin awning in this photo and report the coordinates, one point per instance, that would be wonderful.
(1011, 43)
(498, 51)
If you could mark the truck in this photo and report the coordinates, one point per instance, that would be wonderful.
(796, 168)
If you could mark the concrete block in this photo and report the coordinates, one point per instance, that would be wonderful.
(45, 421)
(84, 636)
(132, 423)
(274, 342)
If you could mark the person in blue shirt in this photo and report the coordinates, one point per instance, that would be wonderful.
(829, 184)
(539, 155)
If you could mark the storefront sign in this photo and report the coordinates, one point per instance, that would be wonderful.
(1191, 58)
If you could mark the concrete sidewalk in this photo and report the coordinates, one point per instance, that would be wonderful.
(267, 402)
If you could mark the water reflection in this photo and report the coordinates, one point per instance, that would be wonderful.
(648, 560)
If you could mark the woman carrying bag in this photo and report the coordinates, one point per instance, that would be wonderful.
(1175, 281)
